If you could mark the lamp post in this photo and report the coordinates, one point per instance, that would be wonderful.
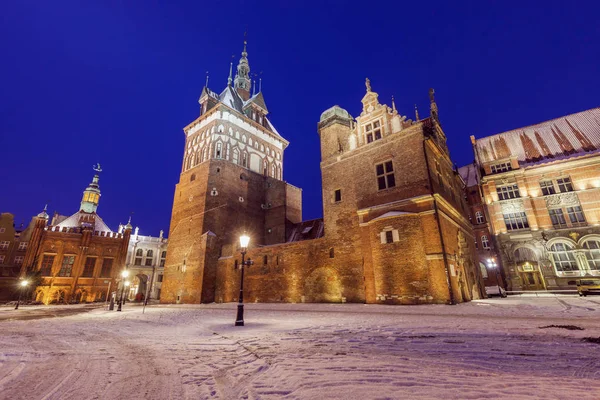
(492, 264)
(23, 285)
(244, 240)
(124, 275)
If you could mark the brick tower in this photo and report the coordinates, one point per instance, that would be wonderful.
(230, 182)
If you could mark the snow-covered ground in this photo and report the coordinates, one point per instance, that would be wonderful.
(484, 349)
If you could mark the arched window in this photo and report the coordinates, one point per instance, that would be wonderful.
(485, 243)
(250, 141)
(479, 217)
(227, 152)
(139, 252)
(562, 257)
(218, 150)
(149, 253)
(221, 129)
(193, 177)
(265, 167)
(236, 156)
(237, 135)
(245, 160)
(273, 171)
(256, 145)
(593, 254)
(278, 155)
(244, 139)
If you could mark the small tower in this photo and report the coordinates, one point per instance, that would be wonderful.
(242, 81)
(91, 195)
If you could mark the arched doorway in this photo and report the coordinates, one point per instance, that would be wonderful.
(138, 289)
(528, 269)
(323, 286)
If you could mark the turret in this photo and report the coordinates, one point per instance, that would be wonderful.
(91, 195)
(242, 81)
(335, 130)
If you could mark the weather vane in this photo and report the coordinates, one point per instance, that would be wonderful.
(97, 167)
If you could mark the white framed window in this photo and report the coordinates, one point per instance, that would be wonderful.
(558, 218)
(236, 156)
(516, 221)
(485, 243)
(564, 185)
(19, 260)
(592, 254)
(501, 167)
(244, 139)
(508, 192)
(563, 257)
(385, 175)
(23, 245)
(547, 187)
(4, 244)
(389, 235)
(479, 217)
(373, 131)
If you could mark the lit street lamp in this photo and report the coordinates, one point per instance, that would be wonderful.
(23, 285)
(244, 240)
(124, 275)
(492, 264)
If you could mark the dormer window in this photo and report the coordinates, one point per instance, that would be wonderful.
(373, 131)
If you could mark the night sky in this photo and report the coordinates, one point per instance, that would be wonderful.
(115, 83)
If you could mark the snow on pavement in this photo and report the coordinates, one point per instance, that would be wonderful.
(308, 351)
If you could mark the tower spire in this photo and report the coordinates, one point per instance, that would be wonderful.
(242, 77)
(91, 195)
(206, 84)
(417, 114)
(230, 79)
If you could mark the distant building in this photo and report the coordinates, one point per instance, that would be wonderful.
(146, 256)
(78, 257)
(541, 184)
(12, 254)
(395, 227)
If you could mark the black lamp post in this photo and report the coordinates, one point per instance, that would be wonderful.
(492, 264)
(124, 274)
(244, 240)
(23, 285)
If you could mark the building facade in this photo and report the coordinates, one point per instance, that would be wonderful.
(12, 254)
(146, 257)
(77, 258)
(541, 184)
(395, 227)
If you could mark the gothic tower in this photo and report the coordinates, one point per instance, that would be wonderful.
(230, 181)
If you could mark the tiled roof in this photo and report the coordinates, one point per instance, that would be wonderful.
(565, 137)
(469, 174)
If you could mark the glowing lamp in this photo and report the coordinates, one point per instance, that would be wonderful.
(127, 283)
(125, 274)
(24, 283)
(244, 240)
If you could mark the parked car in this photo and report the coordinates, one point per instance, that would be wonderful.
(588, 286)
(495, 291)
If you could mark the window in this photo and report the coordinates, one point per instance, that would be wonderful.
(88, 269)
(389, 237)
(476, 244)
(245, 160)
(139, 252)
(265, 167)
(159, 278)
(19, 260)
(479, 217)
(236, 156)
(265, 259)
(576, 215)
(485, 243)
(547, 188)
(219, 149)
(593, 254)
(385, 175)
(558, 218)
(508, 192)
(4, 245)
(564, 185)
(563, 258)
(2, 230)
(149, 262)
(67, 266)
(331, 253)
(107, 265)
(227, 151)
(515, 221)
(273, 171)
(373, 131)
(501, 167)
(337, 195)
(149, 253)
(163, 254)
(23, 245)
(193, 177)
(46, 268)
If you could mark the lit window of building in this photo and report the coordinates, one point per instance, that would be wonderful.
(558, 218)
(501, 167)
(508, 192)
(563, 257)
(564, 185)
(516, 221)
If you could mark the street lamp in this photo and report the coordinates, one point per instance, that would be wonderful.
(23, 285)
(244, 240)
(492, 264)
(124, 275)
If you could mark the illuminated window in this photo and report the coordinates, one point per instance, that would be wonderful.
(23, 245)
(576, 215)
(67, 266)
(593, 254)
(558, 218)
(564, 185)
(18, 260)
(547, 187)
(508, 192)
(501, 167)
(516, 221)
(485, 243)
(385, 175)
(479, 217)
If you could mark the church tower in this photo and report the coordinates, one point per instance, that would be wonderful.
(231, 181)
(91, 195)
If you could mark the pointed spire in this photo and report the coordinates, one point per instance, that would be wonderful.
(260, 84)
(393, 104)
(254, 86)
(230, 79)
(91, 195)
(44, 213)
(417, 114)
(206, 84)
(242, 80)
(129, 226)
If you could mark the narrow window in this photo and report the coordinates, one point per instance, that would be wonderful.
(485, 243)
(331, 253)
(479, 217)
(338, 195)
(389, 237)
(385, 175)
(107, 265)
(218, 153)
(265, 259)
(245, 160)
(67, 266)
(88, 269)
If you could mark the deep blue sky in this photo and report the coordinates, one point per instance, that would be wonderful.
(115, 83)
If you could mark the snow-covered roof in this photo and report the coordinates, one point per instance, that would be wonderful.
(469, 174)
(257, 99)
(392, 214)
(561, 138)
(76, 220)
